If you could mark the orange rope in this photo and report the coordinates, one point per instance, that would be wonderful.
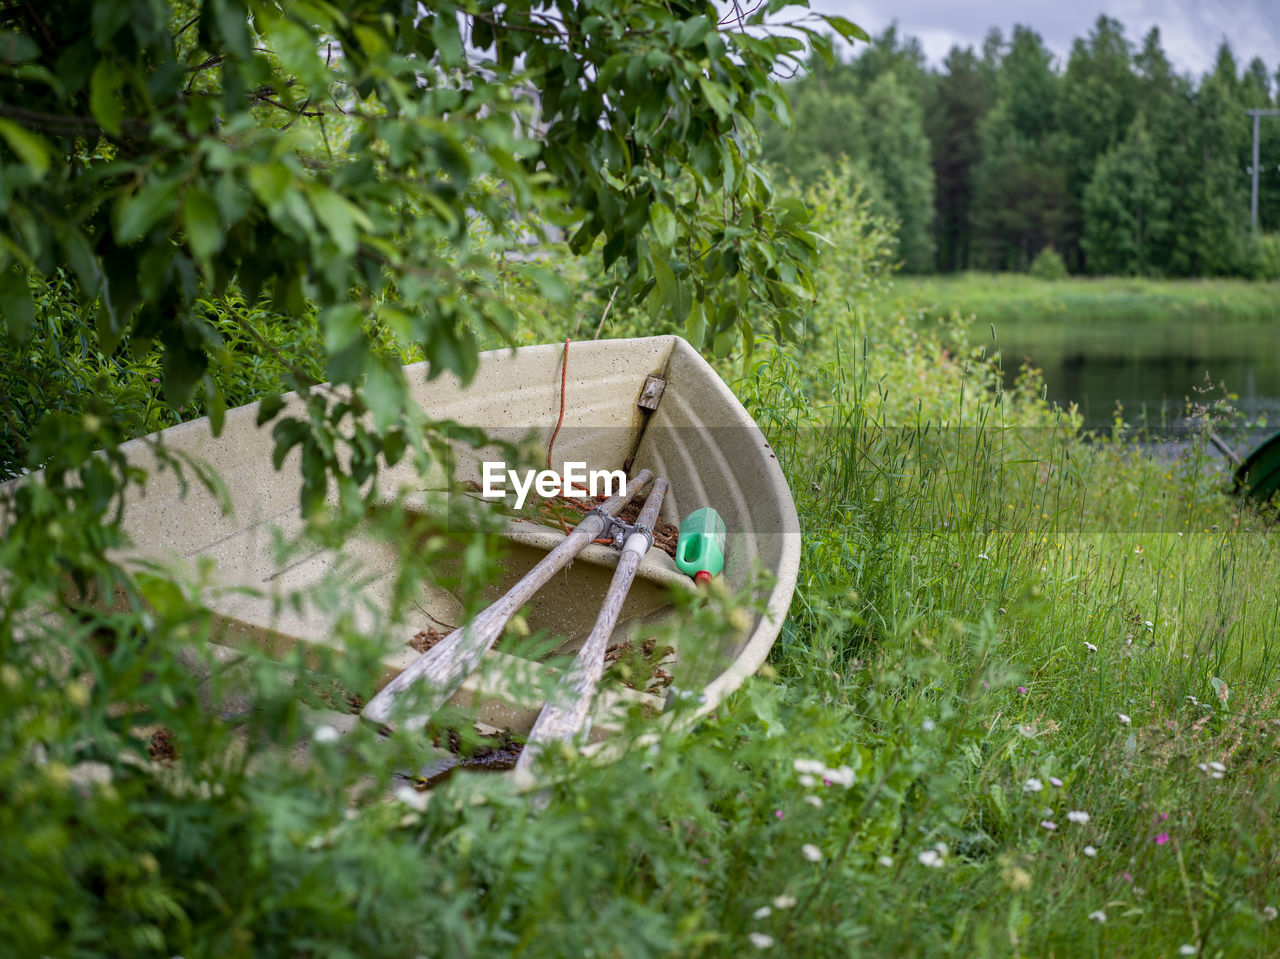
(564, 379)
(564, 376)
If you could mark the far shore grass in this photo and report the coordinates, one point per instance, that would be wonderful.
(1009, 299)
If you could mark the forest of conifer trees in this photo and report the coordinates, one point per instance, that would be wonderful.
(1113, 159)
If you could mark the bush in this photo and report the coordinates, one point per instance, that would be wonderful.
(1048, 265)
(1266, 257)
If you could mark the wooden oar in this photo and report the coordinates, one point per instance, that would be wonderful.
(566, 714)
(444, 667)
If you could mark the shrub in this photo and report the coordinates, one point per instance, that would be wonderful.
(1048, 265)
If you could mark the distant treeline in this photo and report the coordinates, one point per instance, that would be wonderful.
(1117, 161)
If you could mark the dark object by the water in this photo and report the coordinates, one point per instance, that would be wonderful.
(1258, 475)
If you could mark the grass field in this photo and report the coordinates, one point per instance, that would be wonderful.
(1006, 299)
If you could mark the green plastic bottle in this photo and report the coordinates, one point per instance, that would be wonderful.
(700, 548)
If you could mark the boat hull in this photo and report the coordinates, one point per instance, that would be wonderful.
(699, 437)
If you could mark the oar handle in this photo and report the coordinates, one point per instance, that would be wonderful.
(566, 714)
(454, 658)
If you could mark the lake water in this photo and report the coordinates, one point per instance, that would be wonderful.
(1156, 368)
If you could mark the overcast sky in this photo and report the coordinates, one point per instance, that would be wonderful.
(1190, 29)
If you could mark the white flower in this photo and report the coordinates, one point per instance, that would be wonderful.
(1124, 720)
(1090, 851)
(1147, 623)
(1186, 949)
(983, 556)
(928, 726)
(1089, 646)
(1032, 785)
(807, 781)
(1055, 781)
(412, 798)
(760, 940)
(762, 913)
(784, 902)
(1027, 729)
(843, 776)
(324, 734)
(1270, 913)
(1098, 916)
(1217, 767)
(1078, 815)
(930, 858)
(811, 852)
(1048, 824)
(810, 766)
(887, 862)
(814, 801)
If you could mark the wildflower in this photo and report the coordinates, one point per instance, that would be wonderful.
(762, 913)
(778, 813)
(1090, 851)
(1138, 549)
(814, 801)
(811, 766)
(928, 726)
(841, 777)
(760, 940)
(1027, 729)
(811, 852)
(1162, 816)
(1150, 626)
(1078, 815)
(984, 556)
(1055, 781)
(1128, 878)
(784, 902)
(1269, 913)
(887, 862)
(1022, 690)
(807, 781)
(1049, 824)
(1161, 838)
(930, 857)
(1124, 720)
(324, 734)
(1032, 785)
(1217, 767)
(1098, 916)
(1186, 949)
(412, 798)
(1089, 646)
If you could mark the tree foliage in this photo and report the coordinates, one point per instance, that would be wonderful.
(378, 162)
(1024, 149)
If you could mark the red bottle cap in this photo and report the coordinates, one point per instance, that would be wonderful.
(702, 577)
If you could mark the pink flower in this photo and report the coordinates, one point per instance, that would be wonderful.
(778, 813)
(1162, 838)
(1022, 690)
(1164, 816)
(1128, 878)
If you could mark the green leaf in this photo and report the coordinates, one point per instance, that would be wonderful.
(104, 97)
(202, 223)
(137, 213)
(664, 225)
(846, 28)
(29, 147)
(341, 326)
(335, 213)
(692, 31)
(16, 306)
(716, 98)
(384, 393)
(269, 407)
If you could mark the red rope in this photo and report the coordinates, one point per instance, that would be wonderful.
(564, 379)
(564, 376)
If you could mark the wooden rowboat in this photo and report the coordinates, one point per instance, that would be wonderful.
(688, 428)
